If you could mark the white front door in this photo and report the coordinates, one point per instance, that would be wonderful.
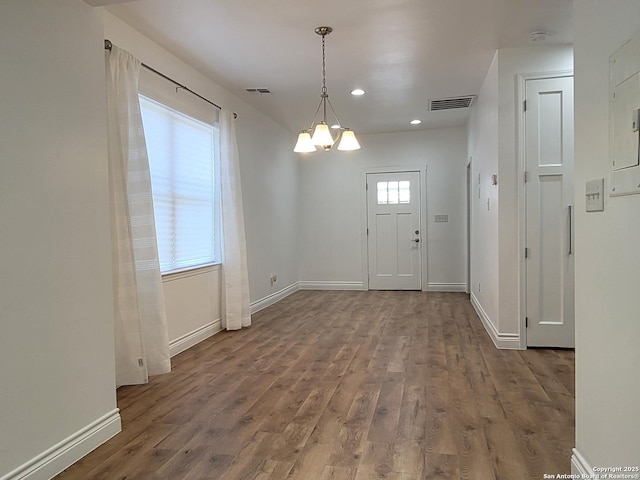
(394, 232)
(549, 198)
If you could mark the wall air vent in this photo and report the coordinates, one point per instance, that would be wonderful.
(451, 103)
(261, 91)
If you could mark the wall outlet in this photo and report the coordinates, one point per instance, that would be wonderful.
(273, 279)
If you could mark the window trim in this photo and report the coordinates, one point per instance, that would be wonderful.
(191, 271)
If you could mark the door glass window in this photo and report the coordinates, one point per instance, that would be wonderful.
(405, 191)
(392, 193)
(383, 197)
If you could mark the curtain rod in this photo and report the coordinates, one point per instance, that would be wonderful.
(108, 45)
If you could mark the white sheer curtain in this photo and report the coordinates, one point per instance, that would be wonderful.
(140, 324)
(236, 310)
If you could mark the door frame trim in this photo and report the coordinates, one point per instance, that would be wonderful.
(521, 86)
(364, 244)
(468, 222)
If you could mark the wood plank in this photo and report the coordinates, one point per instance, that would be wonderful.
(398, 362)
(348, 386)
(338, 473)
(377, 461)
(387, 411)
(439, 467)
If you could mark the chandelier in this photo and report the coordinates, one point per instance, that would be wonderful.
(321, 136)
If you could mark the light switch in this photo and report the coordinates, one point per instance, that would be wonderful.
(441, 218)
(594, 193)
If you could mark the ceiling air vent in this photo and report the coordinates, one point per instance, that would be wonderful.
(261, 91)
(451, 103)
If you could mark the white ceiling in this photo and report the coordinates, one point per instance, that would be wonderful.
(402, 52)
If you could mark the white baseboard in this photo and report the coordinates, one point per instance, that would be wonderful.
(579, 466)
(66, 453)
(273, 298)
(188, 340)
(503, 341)
(447, 287)
(321, 285)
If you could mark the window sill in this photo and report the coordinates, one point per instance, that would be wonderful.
(190, 272)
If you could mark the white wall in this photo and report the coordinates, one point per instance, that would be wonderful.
(493, 144)
(269, 181)
(607, 261)
(483, 150)
(57, 367)
(192, 301)
(331, 195)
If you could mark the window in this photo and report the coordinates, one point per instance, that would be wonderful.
(183, 177)
(391, 193)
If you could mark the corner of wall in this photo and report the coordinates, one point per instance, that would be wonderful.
(274, 298)
(579, 466)
(500, 340)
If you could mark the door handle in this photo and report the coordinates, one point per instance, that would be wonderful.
(417, 240)
(570, 229)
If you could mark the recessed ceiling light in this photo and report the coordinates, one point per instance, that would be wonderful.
(357, 92)
(416, 122)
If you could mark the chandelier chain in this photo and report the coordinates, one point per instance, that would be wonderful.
(324, 69)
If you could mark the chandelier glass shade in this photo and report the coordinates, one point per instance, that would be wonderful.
(319, 136)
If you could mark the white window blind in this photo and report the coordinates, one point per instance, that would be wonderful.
(181, 157)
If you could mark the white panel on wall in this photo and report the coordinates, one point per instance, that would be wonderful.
(193, 302)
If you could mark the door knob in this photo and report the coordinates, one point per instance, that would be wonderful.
(417, 240)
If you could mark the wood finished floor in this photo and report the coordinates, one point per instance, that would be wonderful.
(348, 386)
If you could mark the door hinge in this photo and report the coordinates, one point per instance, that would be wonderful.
(526, 252)
(367, 231)
(524, 105)
(526, 322)
(367, 187)
(526, 177)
